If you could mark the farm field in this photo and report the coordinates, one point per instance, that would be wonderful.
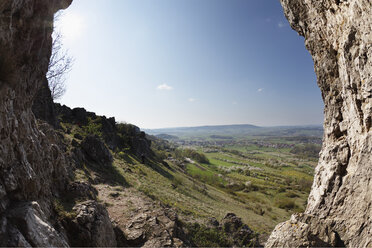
(260, 179)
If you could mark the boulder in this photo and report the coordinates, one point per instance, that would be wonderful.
(82, 190)
(80, 116)
(91, 227)
(158, 228)
(96, 150)
(30, 226)
(239, 232)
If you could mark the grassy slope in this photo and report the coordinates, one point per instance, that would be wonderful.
(261, 198)
(199, 192)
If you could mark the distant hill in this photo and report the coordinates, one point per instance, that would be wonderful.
(167, 136)
(205, 130)
(239, 130)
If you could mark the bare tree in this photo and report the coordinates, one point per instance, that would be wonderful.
(59, 65)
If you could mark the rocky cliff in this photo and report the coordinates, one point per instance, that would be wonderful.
(338, 34)
(34, 164)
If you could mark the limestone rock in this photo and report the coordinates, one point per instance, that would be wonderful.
(338, 35)
(32, 162)
(91, 227)
(33, 227)
(96, 150)
(239, 232)
(43, 106)
(158, 228)
(82, 190)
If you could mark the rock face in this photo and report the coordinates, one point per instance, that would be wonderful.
(33, 224)
(96, 150)
(33, 160)
(43, 106)
(91, 227)
(338, 34)
(32, 164)
(240, 233)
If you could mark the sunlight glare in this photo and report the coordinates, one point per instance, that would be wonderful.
(70, 25)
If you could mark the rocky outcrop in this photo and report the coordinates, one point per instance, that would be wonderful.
(96, 150)
(43, 106)
(91, 226)
(159, 228)
(32, 163)
(117, 136)
(29, 223)
(339, 37)
(239, 232)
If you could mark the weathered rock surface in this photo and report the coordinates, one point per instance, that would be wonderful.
(91, 227)
(338, 35)
(32, 164)
(31, 221)
(117, 136)
(43, 106)
(239, 233)
(141, 222)
(96, 150)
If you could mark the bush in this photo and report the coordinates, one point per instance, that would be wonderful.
(291, 195)
(202, 236)
(190, 153)
(281, 190)
(307, 150)
(304, 185)
(94, 127)
(286, 204)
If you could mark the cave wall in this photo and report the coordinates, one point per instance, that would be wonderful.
(338, 35)
(32, 163)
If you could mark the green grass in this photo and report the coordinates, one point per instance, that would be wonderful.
(262, 198)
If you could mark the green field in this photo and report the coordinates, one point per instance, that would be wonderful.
(262, 185)
(262, 179)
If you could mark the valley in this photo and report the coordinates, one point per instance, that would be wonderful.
(203, 180)
(262, 178)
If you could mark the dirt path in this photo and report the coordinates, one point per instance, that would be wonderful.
(143, 221)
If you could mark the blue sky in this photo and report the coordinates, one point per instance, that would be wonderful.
(169, 63)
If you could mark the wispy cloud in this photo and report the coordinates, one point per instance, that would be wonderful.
(281, 25)
(234, 102)
(191, 99)
(260, 89)
(164, 87)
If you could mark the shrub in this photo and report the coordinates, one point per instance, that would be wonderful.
(291, 195)
(93, 128)
(281, 190)
(307, 150)
(63, 209)
(202, 236)
(304, 185)
(286, 204)
(190, 153)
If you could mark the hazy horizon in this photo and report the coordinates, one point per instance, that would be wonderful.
(162, 64)
(241, 124)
